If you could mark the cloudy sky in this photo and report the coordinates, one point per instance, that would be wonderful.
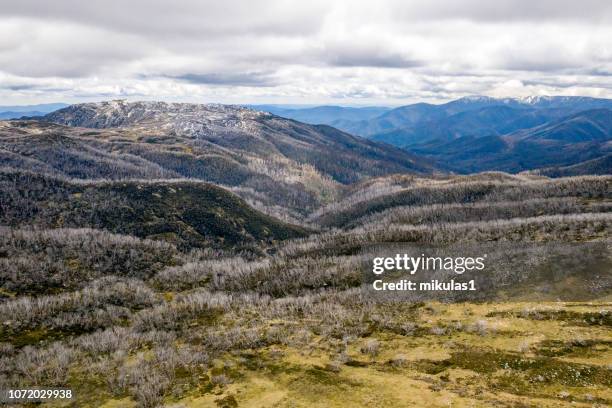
(302, 52)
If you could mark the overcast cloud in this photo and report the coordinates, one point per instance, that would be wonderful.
(273, 51)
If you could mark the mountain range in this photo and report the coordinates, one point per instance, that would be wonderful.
(17, 111)
(554, 135)
(340, 117)
(480, 133)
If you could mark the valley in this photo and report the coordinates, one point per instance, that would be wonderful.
(479, 133)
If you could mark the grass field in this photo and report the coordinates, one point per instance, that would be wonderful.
(523, 354)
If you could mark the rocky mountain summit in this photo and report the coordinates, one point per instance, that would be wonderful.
(185, 118)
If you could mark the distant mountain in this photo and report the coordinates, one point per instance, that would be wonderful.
(413, 121)
(403, 118)
(565, 102)
(488, 121)
(397, 118)
(478, 133)
(568, 141)
(17, 111)
(17, 115)
(326, 115)
(590, 125)
(341, 156)
(279, 165)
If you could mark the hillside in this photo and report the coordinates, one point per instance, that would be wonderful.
(445, 195)
(601, 165)
(189, 214)
(593, 125)
(328, 150)
(265, 158)
(155, 322)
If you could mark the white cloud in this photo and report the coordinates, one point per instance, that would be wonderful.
(344, 51)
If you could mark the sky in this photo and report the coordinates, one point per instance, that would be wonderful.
(342, 52)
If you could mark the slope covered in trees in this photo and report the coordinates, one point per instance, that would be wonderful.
(188, 213)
